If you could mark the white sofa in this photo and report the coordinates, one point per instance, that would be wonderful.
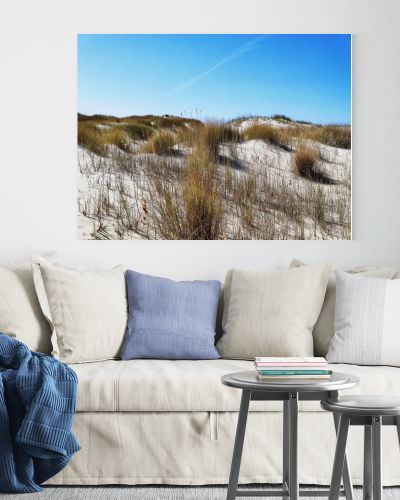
(173, 422)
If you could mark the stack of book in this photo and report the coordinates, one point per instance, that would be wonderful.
(292, 369)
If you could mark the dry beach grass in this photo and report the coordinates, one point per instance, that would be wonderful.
(176, 178)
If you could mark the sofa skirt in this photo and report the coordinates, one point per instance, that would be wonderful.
(195, 448)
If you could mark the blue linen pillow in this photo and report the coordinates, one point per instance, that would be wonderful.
(170, 319)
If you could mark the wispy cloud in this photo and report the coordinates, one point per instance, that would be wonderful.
(252, 44)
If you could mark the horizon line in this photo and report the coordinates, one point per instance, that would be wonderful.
(209, 119)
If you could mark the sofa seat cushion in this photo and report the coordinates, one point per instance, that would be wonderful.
(175, 386)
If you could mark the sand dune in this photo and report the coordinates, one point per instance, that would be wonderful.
(124, 193)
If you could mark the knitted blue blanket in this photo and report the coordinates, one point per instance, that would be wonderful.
(37, 406)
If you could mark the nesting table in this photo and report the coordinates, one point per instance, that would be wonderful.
(371, 412)
(290, 392)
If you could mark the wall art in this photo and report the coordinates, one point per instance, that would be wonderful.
(214, 137)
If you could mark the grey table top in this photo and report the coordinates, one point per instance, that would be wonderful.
(364, 405)
(249, 380)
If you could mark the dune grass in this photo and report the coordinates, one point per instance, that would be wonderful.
(245, 198)
(169, 122)
(332, 135)
(161, 143)
(337, 136)
(209, 136)
(282, 118)
(97, 140)
(268, 133)
(305, 161)
(117, 137)
(203, 203)
(188, 136)
(213, 134)
(90, 137)
(138, 131)
(190, 207)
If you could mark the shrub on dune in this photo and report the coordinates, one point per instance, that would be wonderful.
(98, 140)
(305, 161)
(335, 136)
(282, 118)
(91, 138)
(117, 137)
(267, 133)
(191, 208)
(203, 204)
(138, 131)
(213, 134)
(161, 143)
(188, 135)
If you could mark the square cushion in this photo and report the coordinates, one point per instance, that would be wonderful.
(20, 315)
(272, 313)
(324, 327)
(170, 319)
(86, 310)
(367, 321)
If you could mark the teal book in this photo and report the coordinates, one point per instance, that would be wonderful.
(294, 372)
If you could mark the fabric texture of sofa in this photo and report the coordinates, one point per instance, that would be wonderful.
(173, 422)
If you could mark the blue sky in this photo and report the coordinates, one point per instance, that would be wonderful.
(216, 76)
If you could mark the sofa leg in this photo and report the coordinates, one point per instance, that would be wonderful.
(238, 447)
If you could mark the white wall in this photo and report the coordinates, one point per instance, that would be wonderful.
(38, 127)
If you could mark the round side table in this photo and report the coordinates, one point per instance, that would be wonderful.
(290, 392)
(371, 412)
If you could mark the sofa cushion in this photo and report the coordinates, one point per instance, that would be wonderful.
(161, 385)
(86, 309)
(324, 327)
(20, 315)
(272, 313)
(170, 319)
(367, 321)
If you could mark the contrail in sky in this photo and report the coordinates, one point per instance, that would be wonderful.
(252, 44)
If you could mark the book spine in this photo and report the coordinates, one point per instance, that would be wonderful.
(266, 378)
(294, 372)
(311, 365)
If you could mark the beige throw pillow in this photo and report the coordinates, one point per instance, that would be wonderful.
(325, 326)
(272, 313)
(86, 309)
(20, 315)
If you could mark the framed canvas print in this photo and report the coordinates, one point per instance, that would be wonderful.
(225, 137)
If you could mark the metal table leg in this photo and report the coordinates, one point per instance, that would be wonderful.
(286, 449)
(340, 454)
(367, 486)
(377, 457)
(238, 447)
(293, 447)
(347, 481)
(398, 428)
